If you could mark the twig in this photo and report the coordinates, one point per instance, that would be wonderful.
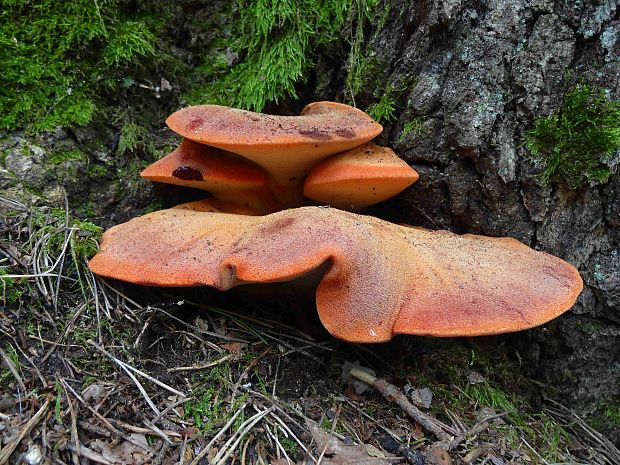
(393, 394)
(222, 430)
(384, 428)
(197, 329)
(159, 432)
(74, 434)
(139, 386)
(245, 374)
(283, 426)
(477, 428)
(542, 460)
(232, 443)
(5, 454)
(85, 452)
(202, 367)
(580, 428)
(172, 407)
(135, 370)
(101, 418)
(331, 433)
(13, 370)
(278, 444)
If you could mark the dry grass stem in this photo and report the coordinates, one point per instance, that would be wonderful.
(14, 442)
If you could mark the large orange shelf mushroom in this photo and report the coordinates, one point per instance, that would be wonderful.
(381, 279)
(287, 147)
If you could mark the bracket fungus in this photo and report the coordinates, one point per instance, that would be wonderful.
(287, 147)
(232, 182)
(359, 177)
(381, 279)
(377, 279)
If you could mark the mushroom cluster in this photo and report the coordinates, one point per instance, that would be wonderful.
(378, 279)
(253, 162)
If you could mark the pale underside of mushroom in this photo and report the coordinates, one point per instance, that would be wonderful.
(381, 279)
(287, 147)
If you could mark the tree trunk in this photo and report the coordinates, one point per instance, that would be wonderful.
(471, 76)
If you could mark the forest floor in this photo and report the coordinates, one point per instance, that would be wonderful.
(96, 371)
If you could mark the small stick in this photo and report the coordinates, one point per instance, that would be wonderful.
(74, 434)
(245, 373)
(13, 369)
(331, 433)
(126, 366)
(278, 444)
(101, 418)
(172, 407)
(477, 428)
(393, 394)
(284, 427)
(229, 446)
(88, 454)
(384, 428)
(159, 432)
(202, 367)
(222, 430)
(5, 454)
(141, 430)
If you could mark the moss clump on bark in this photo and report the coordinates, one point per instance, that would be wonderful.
(275, 43)
(59, 58)
(576, 142)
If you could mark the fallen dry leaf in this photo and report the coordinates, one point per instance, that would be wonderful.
(338, 453)
(233, 347)
(126, 452)
(437, 456)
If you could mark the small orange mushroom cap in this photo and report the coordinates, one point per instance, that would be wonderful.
(228, 179)
(381, 279)
(286, 146)
(359, 177)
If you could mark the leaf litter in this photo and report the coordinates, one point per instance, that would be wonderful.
(97, 371)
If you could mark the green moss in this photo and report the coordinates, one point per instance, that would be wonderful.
(6, 377)
(292, 448)
(135, 137)
(364, 72)
(276, 41)
(383, 110)
(209, 410)
(607, 418)
(98, 171)
(490, 396)
(362, 67)
(11, 290)
(59, 58)
(59, 392)
(575, 142)
(83, 241)
(60, 156)
(416, 127)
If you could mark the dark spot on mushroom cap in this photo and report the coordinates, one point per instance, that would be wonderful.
(194, 124)
(346, 133)
(187, 174)
(278, 225)
(315, 134)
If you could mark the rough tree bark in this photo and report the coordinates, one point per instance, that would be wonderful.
(477, 73)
